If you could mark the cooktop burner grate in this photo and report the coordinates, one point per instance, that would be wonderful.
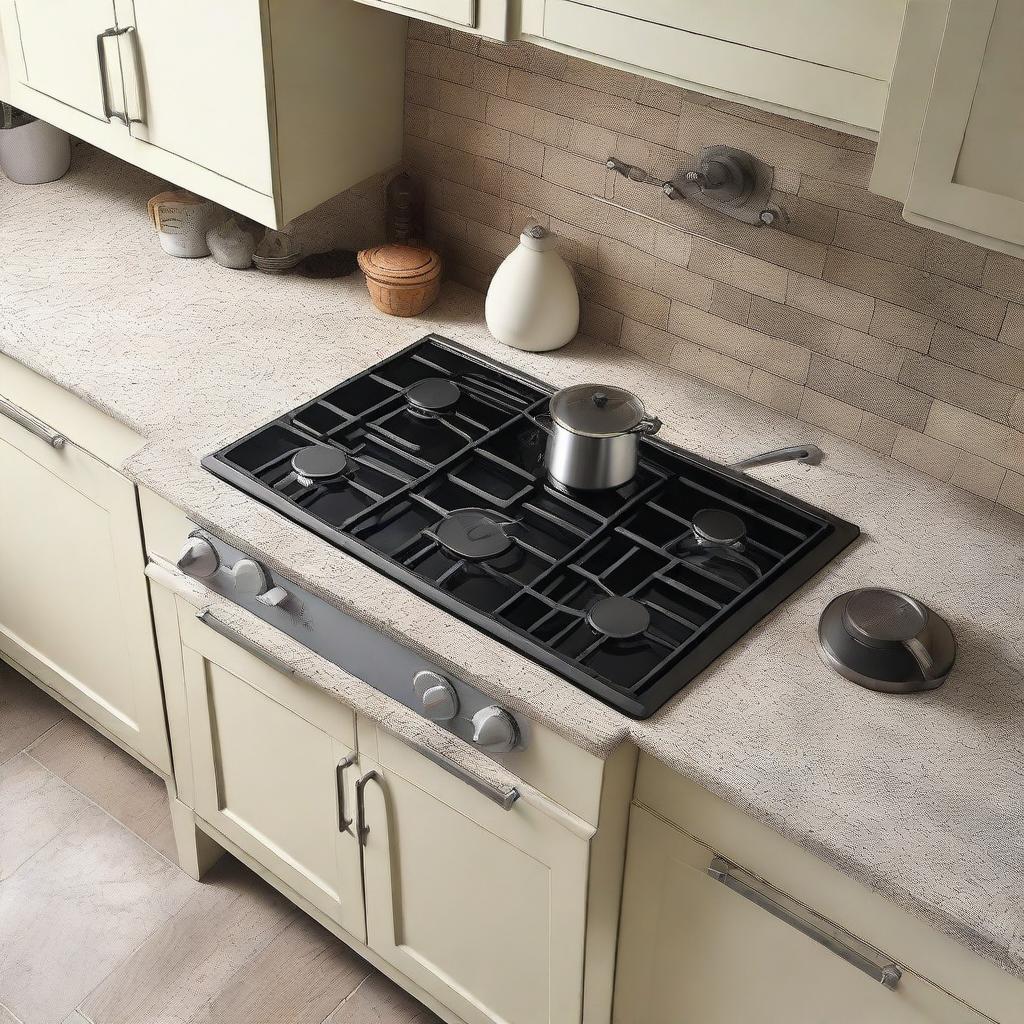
(429, 467)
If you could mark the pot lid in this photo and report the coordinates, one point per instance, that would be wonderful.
(398, 262)
(597, 410)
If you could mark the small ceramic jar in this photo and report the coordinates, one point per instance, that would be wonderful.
(403, 280)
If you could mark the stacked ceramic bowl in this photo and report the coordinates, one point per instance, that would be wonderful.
(277, 253)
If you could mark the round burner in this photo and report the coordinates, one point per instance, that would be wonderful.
(318, 464)
(619, 617)
(474, 534)
(716, 526)
(433, 396)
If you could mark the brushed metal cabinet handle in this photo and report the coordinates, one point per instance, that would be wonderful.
(504, 798)
(772, 900)
(362, 829)
(31, 424)
(108, 112)
(344, 823)
(131, 34)
(207, 618)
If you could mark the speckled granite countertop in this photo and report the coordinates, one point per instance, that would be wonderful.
(920, 798)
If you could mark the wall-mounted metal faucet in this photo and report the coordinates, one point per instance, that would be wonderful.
(725, 179)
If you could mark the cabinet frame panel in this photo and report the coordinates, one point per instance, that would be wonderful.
(934, 193)
(143, 730)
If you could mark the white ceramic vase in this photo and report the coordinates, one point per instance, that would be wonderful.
(35, 152)
(532, 302)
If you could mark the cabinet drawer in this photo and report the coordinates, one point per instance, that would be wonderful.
(693, 948)
(801, 57)
(830, 892)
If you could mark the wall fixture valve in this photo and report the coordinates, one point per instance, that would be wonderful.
(725, 179)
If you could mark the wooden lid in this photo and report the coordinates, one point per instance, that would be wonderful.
(398, 263)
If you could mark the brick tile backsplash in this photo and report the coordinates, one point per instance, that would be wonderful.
(904, 340)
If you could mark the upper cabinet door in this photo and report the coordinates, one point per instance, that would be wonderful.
(968, 169)
(829, 60)
(64, 53)
(195, 83)
(484, 17)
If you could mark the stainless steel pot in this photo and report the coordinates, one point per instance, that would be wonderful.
(594, 433)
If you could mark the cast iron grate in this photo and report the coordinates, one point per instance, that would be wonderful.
(444, 490)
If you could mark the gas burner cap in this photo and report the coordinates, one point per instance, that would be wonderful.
(433, 395)
(474, 534)
(318, 464)
(716, 526)
(619, 617)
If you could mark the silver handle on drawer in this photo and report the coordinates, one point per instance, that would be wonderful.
(207, 618)
(101, 56)
(31, 424)
(344, 824)
(504, 798)
(786, 909)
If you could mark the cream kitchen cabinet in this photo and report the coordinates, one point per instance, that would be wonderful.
(484, 907)
(266, 106)
(723, 920)
(821, 61)
(74, 608)
(481, 17)
(952, 142)
(485, 898)
(272, 765)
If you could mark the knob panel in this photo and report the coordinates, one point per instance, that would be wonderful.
(494, 729)
(198, 558)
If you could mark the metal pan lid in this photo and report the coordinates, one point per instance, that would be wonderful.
(597, 410)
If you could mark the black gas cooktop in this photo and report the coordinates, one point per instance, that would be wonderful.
(429, 468)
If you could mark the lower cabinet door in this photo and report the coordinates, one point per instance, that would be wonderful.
(483, 908)
(693, 949)
(271, 764)
(74, 606)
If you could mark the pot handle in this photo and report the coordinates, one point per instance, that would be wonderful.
(539, 419)
(647, 426)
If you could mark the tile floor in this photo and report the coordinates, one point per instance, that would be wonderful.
(99, 926)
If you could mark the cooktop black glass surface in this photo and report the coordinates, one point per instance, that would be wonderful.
(430, 468)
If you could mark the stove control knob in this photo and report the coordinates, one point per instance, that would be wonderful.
(251, 579)
(495, 730)
(198, 558)
(438, 699)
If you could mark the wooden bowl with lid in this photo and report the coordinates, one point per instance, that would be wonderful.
(403, 279)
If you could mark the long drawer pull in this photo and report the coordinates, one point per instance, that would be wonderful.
(504, 798)
(207, 618)
(768, 898)
(31, 424)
